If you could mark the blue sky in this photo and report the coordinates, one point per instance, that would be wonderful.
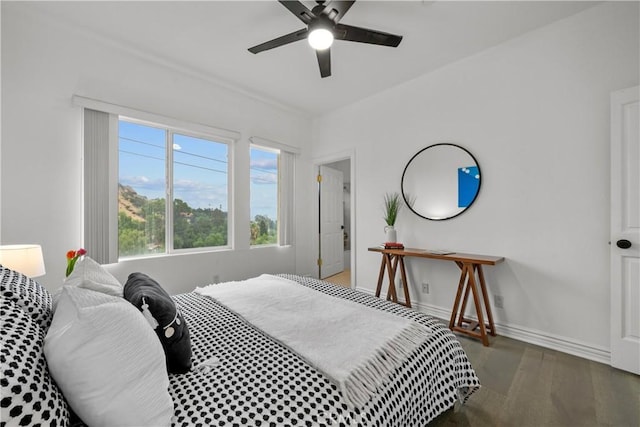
(200, 169)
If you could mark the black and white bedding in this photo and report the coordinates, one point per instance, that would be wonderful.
(240, 376)
(260, 382)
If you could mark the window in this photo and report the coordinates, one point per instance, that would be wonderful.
(173, 190)
(263, 172)
(157, 185)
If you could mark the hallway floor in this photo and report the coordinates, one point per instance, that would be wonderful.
(343, 278)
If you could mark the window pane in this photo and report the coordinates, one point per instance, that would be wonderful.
(200, 192)
(141, 189)
(264, 196)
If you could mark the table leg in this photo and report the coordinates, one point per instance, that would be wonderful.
(478, 304)
(456, 304)
(485, 297)
(405, 287)
(468, 284)
(383, 264)
(465, 298)
(392, 264)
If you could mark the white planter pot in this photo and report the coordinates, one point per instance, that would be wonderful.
(390, 233)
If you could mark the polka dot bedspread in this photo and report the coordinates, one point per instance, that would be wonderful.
(259, 382)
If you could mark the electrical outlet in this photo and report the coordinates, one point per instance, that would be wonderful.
(425, 288)
(498, 301)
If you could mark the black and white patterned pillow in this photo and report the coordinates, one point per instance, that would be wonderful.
(29, 397)
(28, 295)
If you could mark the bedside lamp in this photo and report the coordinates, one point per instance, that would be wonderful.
(26, 259)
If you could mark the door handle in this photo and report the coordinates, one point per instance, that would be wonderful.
(623, 244)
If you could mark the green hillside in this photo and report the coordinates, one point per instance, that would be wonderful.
(141, 225)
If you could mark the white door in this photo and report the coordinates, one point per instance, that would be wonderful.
(331, 222)
(625, 230)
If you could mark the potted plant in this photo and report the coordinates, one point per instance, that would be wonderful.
(392, 205)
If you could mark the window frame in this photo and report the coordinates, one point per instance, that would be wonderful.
(170, 131)
(286, 189)
(277, 151)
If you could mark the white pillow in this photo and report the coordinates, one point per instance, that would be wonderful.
(89, 274)
(107, 361)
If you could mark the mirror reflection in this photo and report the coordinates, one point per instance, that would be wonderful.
(441, 181)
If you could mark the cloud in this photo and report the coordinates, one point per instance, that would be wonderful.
(264, 178)
(268, 164)
(199, 194)
(142, 182)
(177, 146)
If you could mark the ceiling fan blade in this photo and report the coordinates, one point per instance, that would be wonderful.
(280, 41)
(364, 35)
(324, 61)
(335, 10)
(298, 9)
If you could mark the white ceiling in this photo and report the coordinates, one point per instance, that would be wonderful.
(212, 37)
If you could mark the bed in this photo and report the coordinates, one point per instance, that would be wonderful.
(256, 380)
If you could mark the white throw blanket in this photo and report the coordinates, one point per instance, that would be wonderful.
(355, 346)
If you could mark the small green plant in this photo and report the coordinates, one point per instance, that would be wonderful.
(392, 205)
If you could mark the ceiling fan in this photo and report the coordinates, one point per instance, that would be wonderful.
(323, 27)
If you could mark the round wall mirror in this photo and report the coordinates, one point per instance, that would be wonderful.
(441, 181)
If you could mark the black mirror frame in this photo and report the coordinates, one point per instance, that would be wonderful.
(404, 196)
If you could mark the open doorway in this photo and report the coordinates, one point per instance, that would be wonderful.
(335, 228)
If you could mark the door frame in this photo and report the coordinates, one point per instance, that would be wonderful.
(332, 158)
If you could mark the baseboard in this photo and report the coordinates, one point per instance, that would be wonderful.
(556, 342)
(528, 335)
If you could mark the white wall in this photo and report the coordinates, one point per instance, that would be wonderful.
(43, 65)
(535, 113)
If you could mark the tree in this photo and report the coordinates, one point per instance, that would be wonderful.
(142, 230)
(263, 231)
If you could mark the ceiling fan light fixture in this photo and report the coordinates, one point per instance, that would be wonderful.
(322, 27)
(320, 38)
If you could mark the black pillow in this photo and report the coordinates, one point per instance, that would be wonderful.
(158, 307)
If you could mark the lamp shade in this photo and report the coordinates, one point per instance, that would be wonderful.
(25, 259)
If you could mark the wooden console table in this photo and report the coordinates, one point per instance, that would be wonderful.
(469, 264)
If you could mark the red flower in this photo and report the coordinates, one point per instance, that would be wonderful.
(72, 257)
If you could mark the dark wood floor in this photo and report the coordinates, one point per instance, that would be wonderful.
(526, 385)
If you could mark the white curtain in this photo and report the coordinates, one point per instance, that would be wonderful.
(286, 169)
(100, 186)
